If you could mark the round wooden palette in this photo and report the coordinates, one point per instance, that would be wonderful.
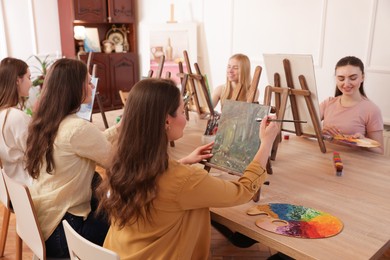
(295, 221)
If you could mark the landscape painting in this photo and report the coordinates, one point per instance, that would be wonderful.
(237, 138)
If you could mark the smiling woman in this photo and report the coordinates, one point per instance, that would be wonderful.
(238, 81)
(350, 112)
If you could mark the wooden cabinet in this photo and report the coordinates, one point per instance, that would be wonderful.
(103, 11)
(116, 71)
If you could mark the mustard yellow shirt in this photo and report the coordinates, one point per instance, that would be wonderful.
(78, 146)
(181, 221)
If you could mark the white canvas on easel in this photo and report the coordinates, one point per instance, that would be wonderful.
(85, 111)
(301, 64)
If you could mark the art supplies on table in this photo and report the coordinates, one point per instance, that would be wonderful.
(295, 221)
(212, 124)
(338, 164)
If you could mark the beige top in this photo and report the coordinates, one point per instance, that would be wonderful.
(13, 136)
(181, 228)
(79, 144)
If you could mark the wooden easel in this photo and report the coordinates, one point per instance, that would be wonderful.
(158, 76)
(191, 84)
(97, 95)
(281, 97)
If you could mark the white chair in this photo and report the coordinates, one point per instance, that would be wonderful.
(4, 198)
(27, 225)
(81, 248)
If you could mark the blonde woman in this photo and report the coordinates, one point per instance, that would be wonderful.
(238, 81)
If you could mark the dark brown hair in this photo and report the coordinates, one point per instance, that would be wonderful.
(10, 70)
(62, 94)
(353, 61)
(141, 155)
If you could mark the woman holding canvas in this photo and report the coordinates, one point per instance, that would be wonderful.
(350, 112)
(159, 207)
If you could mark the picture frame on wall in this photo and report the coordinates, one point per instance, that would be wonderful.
(92, 41)
(170, 39)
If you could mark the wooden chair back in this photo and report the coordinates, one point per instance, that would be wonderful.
(81, 248)
(123, 95)
(27, 226)
(4, 198)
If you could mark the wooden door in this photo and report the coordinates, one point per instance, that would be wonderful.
(90, 10)
(121, 11)
(124, 74)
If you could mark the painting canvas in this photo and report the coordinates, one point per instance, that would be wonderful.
(91, 41)
(237, 138)
(85, 111)
(301, 64)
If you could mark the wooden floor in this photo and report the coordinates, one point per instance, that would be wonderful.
(220, 248)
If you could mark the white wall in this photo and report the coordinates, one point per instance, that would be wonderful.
(29, 27)
(327, 29)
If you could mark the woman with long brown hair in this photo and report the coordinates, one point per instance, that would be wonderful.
(159, 207)
(350, 113)
(62, 152)
(15, 82)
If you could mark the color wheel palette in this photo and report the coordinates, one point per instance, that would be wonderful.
(296, 221)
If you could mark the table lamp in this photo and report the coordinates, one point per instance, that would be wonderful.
(79, 35)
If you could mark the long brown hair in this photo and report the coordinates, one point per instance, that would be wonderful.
(10, 70)
(141, 155)
(353, 61)
(62, 94)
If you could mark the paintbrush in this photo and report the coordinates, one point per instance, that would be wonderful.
(281, 120)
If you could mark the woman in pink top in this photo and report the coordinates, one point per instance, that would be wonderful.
(350, 112)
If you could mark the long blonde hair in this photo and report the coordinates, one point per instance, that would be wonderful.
(244, 80)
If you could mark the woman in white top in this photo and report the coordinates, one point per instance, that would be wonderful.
(62, 152)
(15, 83)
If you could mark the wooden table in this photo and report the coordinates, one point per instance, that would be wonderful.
(305, 176)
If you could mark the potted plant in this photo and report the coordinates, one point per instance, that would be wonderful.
(44, 64)
(41, 65)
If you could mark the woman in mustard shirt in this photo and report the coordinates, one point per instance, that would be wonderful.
(159, 207)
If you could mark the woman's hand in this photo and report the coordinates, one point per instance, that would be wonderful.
(358, 136)
(331, 131)
(268, 130)
(267, 134)
(201, 153)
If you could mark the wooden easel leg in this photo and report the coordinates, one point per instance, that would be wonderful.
(269, 167)
(4, 230)
(275, 146)
(256, 197)
(99, 101)
(313, 114)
